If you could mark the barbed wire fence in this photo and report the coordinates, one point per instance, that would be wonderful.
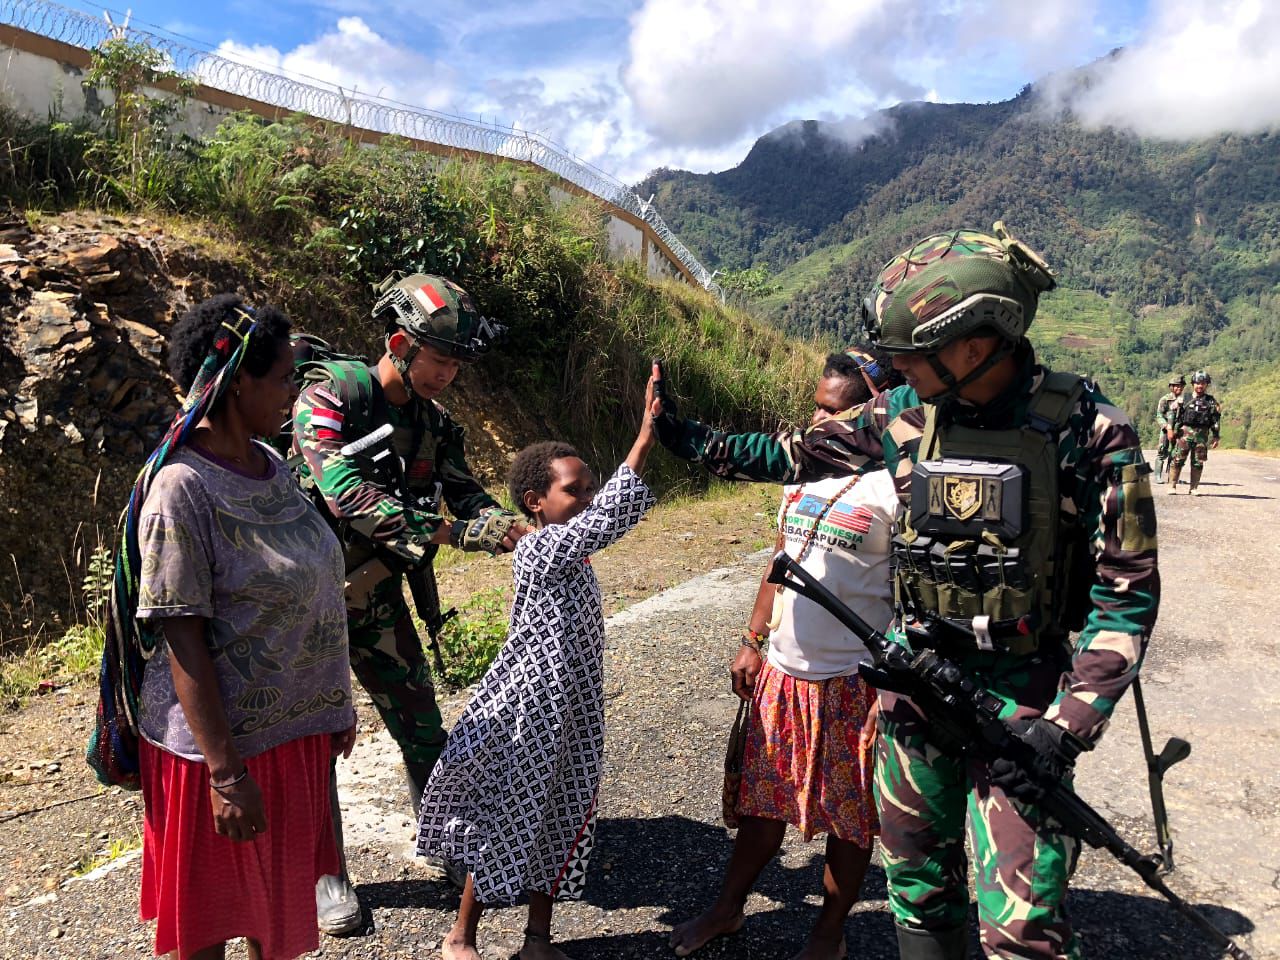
(329, 102)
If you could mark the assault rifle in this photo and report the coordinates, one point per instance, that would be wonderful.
(965, 719)
(421, 576)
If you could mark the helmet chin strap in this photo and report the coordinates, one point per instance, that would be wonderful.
(954, 386)
(402, 364)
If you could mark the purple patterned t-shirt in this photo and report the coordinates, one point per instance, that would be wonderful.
(254, 557)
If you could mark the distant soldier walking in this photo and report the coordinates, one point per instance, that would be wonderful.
(1196, 431)
(1167, 421)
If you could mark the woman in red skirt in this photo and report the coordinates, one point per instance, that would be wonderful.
(240, 593)
(809, 757)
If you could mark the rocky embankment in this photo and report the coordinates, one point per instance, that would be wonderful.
(83, 395)
(87, 303)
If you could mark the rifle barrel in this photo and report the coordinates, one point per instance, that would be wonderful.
(959, 707)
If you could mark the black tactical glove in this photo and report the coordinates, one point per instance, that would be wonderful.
(1054, 752)
(484, 532)
(668, 424)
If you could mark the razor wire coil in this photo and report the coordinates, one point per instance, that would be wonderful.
(74, 27)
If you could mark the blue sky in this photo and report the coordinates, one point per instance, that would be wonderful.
(634, 84)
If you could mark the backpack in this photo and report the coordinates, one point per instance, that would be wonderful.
(314, 358)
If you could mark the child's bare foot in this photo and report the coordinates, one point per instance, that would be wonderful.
(540, 948)
(696, 933)
(817, 949)
(458, 949)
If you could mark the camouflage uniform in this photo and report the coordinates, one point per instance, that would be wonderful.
(1024, 862)
(1166, 420)
(386, 652)
(1199, 420)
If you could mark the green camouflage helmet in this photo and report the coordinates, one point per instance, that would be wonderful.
(1177, 380)
(1201, 376)
(435, 311)
(953, 284)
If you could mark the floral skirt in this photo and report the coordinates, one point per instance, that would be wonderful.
(202, 888)
(807, 761)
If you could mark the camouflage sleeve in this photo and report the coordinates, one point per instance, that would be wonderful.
(318, 419)
(1216, 429)
(855, 441)
(1162, 413)
(462, 491)
(1113, 498)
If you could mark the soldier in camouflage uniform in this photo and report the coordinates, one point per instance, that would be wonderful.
(384, 502)
(954, 310)
(1166, 420)
(1199, 419)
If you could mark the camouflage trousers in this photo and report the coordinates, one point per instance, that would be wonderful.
(1192, 442)
(388, 660)
(1023, 863)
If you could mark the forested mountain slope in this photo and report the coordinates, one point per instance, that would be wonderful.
(1168, 253)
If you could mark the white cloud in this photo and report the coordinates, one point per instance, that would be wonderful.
(700, 72)
(703, 72)
(1202, 67)
(357, 58)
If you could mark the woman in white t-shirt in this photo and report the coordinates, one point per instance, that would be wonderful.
(809, 758)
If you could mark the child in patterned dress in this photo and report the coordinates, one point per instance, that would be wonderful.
(513, 797)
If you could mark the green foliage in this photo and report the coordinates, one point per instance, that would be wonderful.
(115, 848)
(42, 164)
(471, 640)
(75, 655)
(753, 283)
(97, 583)
(140, 159)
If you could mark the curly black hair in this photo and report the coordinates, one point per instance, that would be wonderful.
(192, 336)
(847, 367)
(531, 470)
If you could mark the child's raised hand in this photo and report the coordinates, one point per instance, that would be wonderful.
(647, 435)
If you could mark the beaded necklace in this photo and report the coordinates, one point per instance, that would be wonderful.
(779, 599)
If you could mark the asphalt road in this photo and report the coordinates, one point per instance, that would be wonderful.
(1211, 677)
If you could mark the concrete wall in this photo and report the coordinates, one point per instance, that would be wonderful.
(42, 77)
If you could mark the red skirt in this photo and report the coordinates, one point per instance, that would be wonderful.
(807, 761)
(202, 888)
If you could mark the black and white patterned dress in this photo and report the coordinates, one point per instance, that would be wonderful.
(513, 797)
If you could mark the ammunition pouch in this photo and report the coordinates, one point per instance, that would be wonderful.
(361, 582)
(983, 559)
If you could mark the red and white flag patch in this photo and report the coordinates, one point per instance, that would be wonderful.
(332, 419)
(429, 299)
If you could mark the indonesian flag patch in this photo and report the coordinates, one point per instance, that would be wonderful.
(429, 299)
(332, 419)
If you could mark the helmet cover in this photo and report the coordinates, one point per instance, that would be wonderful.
(435, 311)
(953, 284)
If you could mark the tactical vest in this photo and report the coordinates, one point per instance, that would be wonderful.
(985, 547)
(1198, 412)
(389, 465)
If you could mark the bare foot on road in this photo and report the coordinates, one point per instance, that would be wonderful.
(451, 950)
(696, 933)
(822, 950)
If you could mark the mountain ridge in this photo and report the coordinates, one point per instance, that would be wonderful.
(1167, 252)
